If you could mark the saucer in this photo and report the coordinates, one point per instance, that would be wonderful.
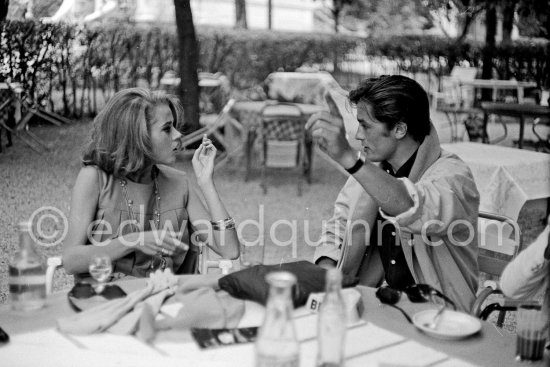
(452, 325)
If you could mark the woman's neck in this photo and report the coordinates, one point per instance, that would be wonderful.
(144, 176)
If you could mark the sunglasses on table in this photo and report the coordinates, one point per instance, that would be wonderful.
(417, 293)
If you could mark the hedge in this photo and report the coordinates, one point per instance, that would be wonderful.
(53, 60)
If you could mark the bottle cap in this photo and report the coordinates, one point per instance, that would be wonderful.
(280, 279)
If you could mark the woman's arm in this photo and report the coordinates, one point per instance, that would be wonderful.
(225, 242)
(77, 252)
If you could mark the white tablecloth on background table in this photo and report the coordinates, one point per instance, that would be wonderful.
(506, 177)
(309, 88)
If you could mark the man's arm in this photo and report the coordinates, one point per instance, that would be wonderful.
(528, 273)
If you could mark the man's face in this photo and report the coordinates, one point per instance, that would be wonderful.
(379, 143)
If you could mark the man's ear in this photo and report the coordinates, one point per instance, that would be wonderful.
(400, 130)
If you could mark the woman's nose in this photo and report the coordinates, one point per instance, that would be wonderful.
(175, 134)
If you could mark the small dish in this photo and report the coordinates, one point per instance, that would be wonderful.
(451, 325)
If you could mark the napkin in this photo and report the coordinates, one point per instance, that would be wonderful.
(205, 308)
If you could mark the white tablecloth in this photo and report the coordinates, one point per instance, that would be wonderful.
(506, 177)
(306, 88)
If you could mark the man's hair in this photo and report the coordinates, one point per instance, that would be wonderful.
(393, 99)
(120, 141)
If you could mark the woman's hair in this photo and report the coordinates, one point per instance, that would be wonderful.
(120, 140)
(396, 98)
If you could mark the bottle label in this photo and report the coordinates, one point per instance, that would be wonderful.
(27, 280)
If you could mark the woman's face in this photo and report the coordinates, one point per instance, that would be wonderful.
(165, 139)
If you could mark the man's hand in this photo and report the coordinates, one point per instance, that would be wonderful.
(327, 130)
(326, 263)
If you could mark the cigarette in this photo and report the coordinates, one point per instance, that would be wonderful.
(204, 137)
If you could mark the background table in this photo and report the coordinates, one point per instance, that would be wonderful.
(490, 347)
(506, 177)
(496, 84)
(300, 87)
(518, 110)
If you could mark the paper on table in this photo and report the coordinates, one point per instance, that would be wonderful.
(306, 327)
(46, 338)
(455, 363)
(237, 355)
(359, 340)
(111, 343)
(407, 354)
(34, 355)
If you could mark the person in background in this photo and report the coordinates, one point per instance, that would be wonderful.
(130, 205)
(408, 213)
(527, 276)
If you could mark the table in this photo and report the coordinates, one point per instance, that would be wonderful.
(491, 347)
(518, 110)
(248, 113)
(307, 88)
(496, 84)
(506, 177)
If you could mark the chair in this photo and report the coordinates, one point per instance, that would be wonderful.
(203, 265)
(542, 143)
(218, 127)
(283, 140)
(499, 241)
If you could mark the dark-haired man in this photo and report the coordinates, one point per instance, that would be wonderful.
(411, 217)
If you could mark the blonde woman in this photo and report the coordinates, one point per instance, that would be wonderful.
(130, 205)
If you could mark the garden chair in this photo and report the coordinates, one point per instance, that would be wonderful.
(499, 242)
(216, 126)
(283, 140)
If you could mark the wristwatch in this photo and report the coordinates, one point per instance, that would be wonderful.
(357, 166)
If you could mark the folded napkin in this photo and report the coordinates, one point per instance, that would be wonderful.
(105, 316)
(205, 308)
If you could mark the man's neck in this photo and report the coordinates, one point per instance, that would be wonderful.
(404, 151)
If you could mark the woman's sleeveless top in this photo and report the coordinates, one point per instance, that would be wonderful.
(113, 220)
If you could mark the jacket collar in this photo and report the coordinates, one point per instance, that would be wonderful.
(428, 152)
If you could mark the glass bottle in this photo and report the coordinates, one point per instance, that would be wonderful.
(277, 344)
(27, 278)
(331, 333)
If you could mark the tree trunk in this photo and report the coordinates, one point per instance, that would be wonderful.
(4, 5)
(188, 56)
(240, 14)
(489, 50)
(508, 10)
(269, 14)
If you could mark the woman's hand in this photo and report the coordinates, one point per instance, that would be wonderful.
(203, 161)
(154, 242)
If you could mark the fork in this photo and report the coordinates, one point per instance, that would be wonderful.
(433, 323)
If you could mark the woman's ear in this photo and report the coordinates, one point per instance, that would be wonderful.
(400, 130)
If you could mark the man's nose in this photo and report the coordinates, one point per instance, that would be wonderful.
(359, 134)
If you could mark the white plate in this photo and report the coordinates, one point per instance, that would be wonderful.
(451, 324)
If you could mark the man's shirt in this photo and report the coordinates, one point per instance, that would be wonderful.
(384, 235)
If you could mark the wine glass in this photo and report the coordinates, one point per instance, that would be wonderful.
(100, 269)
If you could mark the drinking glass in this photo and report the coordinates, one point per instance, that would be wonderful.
(100, 269)
(531, 329)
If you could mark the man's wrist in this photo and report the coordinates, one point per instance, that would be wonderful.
(349, 159)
